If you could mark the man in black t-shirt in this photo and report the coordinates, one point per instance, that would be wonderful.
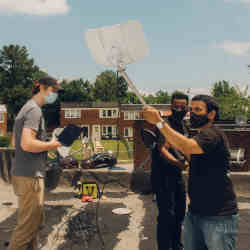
(167, 181)
(212, 219)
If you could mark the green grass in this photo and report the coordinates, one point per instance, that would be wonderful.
(112, 145)
(75, 147)
(123, 153)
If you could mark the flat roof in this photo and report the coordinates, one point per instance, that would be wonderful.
(124, 107)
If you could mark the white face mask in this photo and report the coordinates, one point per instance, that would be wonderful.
(51, 98)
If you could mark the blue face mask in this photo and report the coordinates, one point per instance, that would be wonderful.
(51, 98)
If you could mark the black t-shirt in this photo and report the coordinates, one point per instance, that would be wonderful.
(210, 187)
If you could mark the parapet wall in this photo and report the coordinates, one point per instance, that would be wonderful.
(237, 136)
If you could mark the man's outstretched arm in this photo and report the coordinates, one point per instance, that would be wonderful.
(186, 145)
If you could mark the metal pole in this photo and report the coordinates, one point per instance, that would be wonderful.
(132, 86)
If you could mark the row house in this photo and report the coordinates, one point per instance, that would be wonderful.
(3, 120)
(104, 120)
(107, 120)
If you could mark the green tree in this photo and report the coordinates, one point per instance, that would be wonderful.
(77, 91)
(150, 99)
(109, 88)
(232, 100)
(130, 98)
(162, 97)
(17, 73)
(223, 89)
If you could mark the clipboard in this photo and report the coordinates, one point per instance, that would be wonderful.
(69, 134)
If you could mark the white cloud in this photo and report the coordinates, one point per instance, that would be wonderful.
(35, 7)
(235, 48)
(237, 1)
(241, 2)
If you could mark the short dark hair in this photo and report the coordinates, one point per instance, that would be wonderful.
(178, 95)
(210, 103)
(46, 82)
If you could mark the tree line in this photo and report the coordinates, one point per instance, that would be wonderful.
(18, 71)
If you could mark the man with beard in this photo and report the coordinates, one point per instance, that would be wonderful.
(212, 218)
(167, 181)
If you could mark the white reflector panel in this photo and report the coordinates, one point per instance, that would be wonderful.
(117, 45)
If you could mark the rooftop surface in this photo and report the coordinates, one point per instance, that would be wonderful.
(119, 232)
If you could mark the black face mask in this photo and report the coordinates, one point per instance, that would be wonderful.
(198, 121)
(179, 114)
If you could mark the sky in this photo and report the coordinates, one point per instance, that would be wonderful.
(192, 43)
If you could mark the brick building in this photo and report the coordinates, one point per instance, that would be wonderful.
(104, 120)
(3, 120)
(107, 120)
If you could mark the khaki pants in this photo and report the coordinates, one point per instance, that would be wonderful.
(30, 193)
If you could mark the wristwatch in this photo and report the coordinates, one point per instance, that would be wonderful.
(160, 125)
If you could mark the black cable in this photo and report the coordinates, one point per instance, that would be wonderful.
(118, 116)
(97, 218)
(97, 210)
(69, 217)
(55, 239)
